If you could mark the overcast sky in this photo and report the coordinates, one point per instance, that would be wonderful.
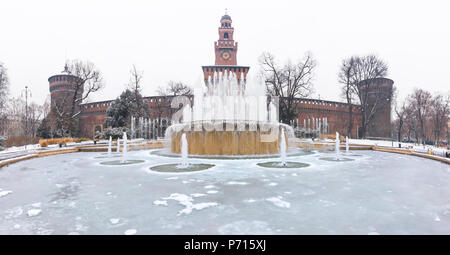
(171, 40)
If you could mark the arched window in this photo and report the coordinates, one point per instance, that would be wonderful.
(225, 36)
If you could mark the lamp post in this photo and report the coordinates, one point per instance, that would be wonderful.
(27, 92)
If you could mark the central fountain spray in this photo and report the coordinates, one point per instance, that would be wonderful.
(229, 117)
(118, 145)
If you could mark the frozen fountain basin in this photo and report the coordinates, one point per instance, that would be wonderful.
(377, 192)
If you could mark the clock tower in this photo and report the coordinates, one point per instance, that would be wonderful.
(226, 47)
(225, 52)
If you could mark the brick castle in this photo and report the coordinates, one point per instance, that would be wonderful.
(312, 113)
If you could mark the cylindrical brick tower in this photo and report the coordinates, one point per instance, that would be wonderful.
(377, 93)
(62, 92)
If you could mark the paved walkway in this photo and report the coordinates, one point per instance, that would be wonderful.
(15, 154)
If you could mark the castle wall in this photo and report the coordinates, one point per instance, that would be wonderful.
(93, 115)
(336, 114)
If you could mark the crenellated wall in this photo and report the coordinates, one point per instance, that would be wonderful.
(335, 114)
(93, 115)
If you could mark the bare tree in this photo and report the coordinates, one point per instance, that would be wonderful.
(88, 80)
(410, 122)
(17, 119)
(139, 105)
(420, 101)
(4, 82)
(288, 82)
(439, 110)
(346, 78)
(358, 74)
(175, 89)
(400, 113)
(135, 80)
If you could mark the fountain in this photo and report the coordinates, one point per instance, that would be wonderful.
(109, 154)
(124, 151)
(109, 146)
(125, 160)
(283, 163)
(229, 118)
(283, 149)
(338, 144)
(184, 151)
(337, 157)
(132, 128)
(346, 145)
(184, 166)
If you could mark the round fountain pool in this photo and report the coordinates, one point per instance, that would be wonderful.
(178, 168)
(378, 192)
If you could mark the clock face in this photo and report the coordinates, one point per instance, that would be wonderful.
(226, 55)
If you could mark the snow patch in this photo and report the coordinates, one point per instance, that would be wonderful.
(198, 206)
(212, 192)
(160, 202)
(273, 184)
(278, 202)
(237, 183)
(114, 221)
(209, 186)
(5, 193)
(187, 202)
(130, 232)
(198, 195)
(172, 178)
(33, 212)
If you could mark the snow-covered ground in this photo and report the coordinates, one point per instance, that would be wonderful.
(378, 192)
(34, 147)
(410, 146)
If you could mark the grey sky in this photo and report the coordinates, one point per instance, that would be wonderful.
(171, 40)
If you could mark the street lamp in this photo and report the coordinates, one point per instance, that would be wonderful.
(27, 93)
